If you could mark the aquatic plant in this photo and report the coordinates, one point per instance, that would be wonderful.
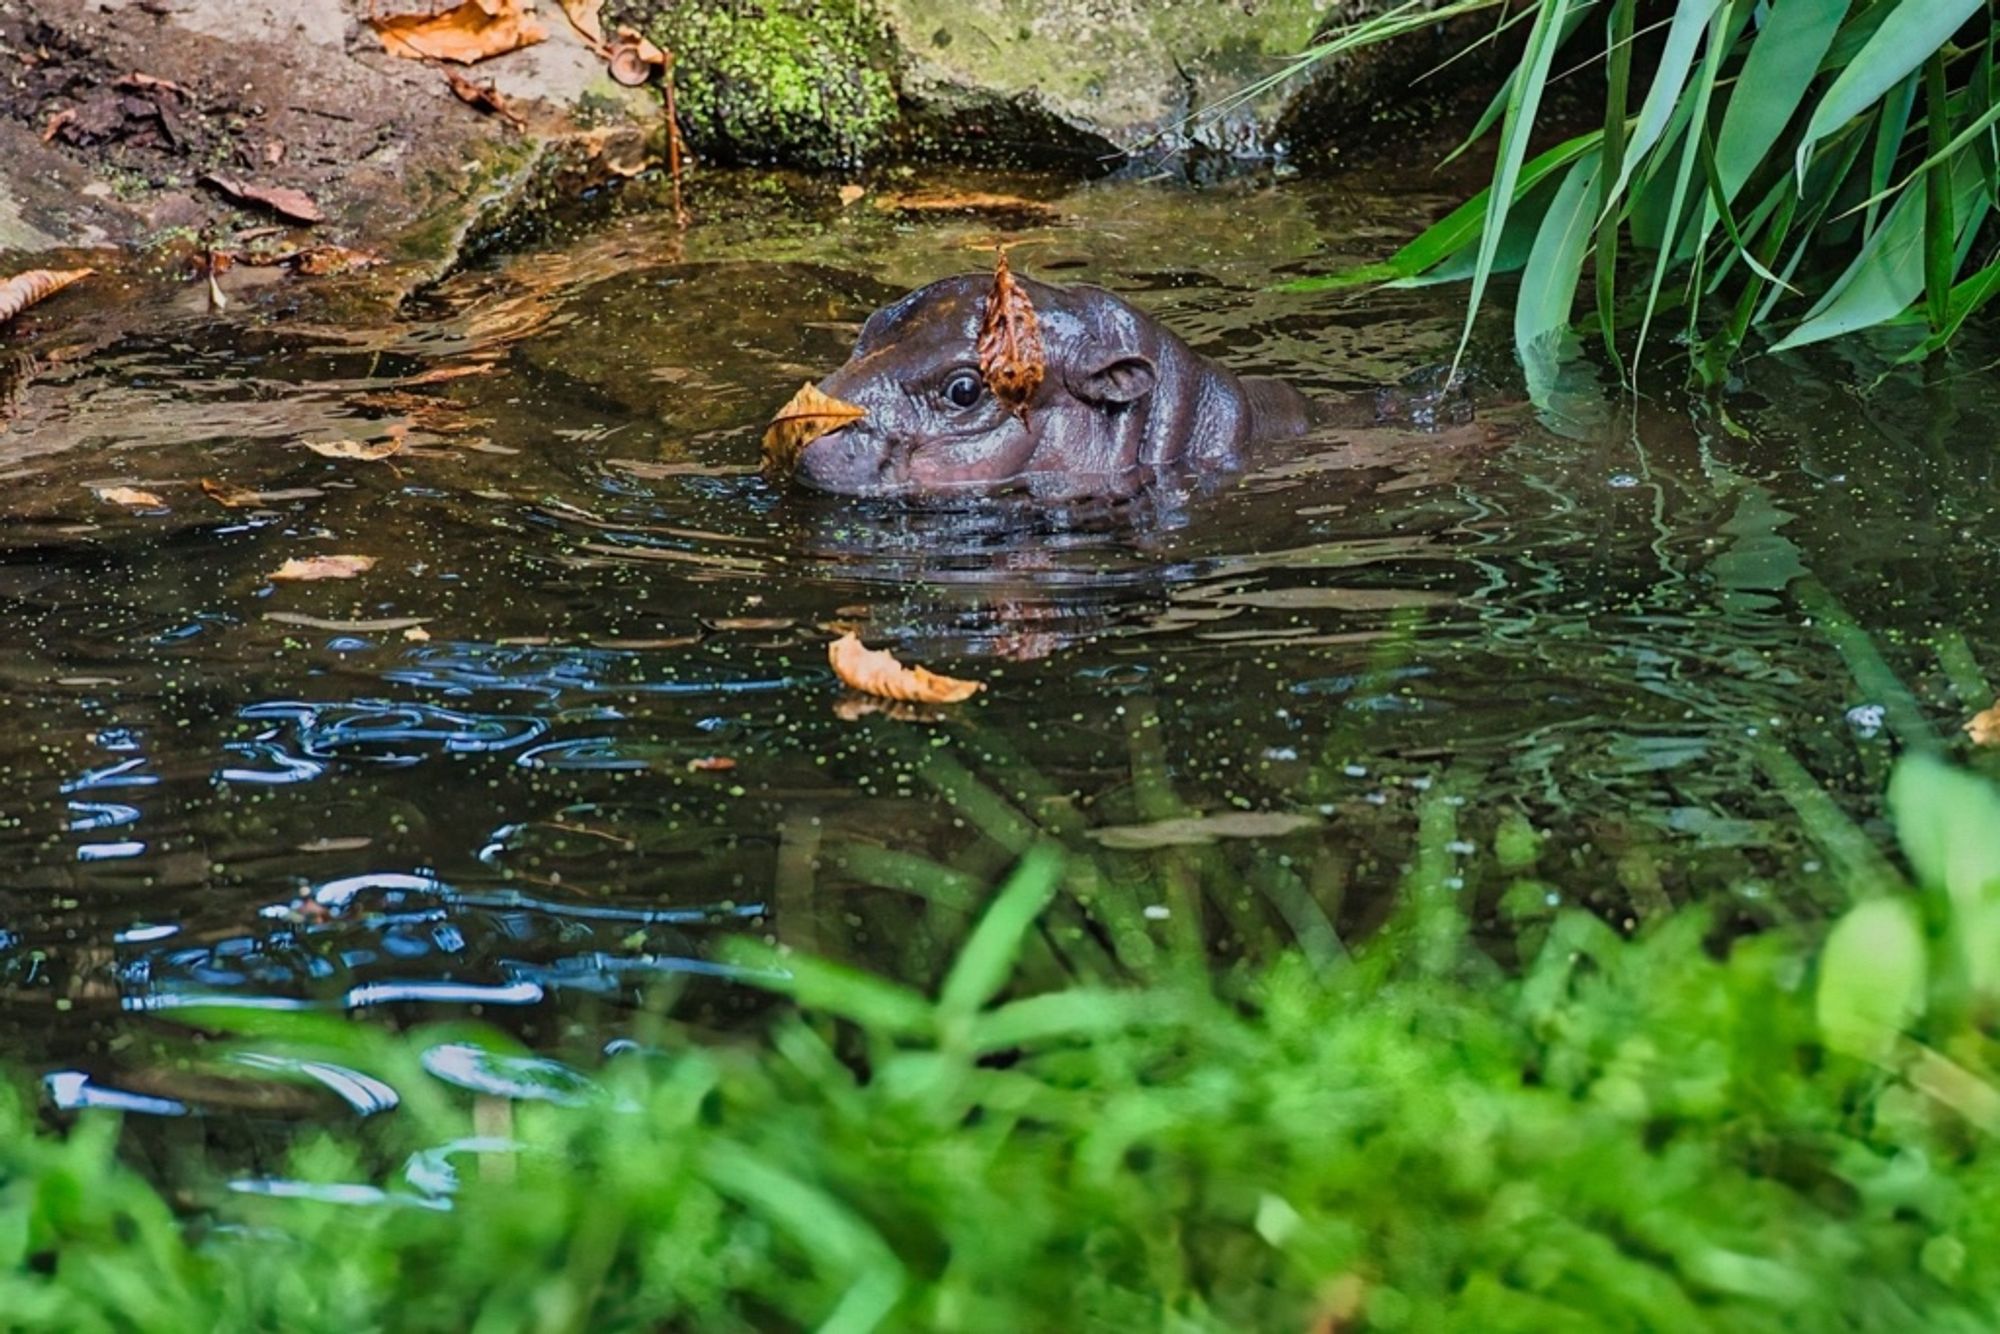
(1793, 172)
(1629, 1133)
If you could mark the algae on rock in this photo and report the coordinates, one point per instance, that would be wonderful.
(808, 81)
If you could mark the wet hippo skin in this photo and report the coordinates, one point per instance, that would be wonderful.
(1122, 399)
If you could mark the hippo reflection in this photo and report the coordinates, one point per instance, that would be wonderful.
(1122, 399)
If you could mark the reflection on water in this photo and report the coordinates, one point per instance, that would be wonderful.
(575, 725)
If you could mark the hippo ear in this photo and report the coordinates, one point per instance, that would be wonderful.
(1112, 376)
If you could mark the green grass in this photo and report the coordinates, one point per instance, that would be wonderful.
(1792, 1133)
(1771, 175)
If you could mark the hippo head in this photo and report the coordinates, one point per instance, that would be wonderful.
(933, 427)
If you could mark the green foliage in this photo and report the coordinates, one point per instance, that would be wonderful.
(1795, 171)
(1631, 1134)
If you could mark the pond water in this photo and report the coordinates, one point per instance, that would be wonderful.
(575, 724)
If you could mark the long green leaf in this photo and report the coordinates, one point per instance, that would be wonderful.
(1456, 230)
(1522, 106)
(1618, 79)
(1940, 231)
(1905, 40)
(1888, 274)
(1697, 109)
(1691, 18)
(1967, 298)
(1549, 282)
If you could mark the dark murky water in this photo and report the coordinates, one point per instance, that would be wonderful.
(487, 772)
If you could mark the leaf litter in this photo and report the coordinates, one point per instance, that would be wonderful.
(877, 672)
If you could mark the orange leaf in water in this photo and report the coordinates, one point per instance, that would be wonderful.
(1010, 342)
(25, 289)
(1984, 728)
(363, 451)
(808, 416)
(876, 672)
(711, 764)
(131, 496)
(323, 567)
(466, 33)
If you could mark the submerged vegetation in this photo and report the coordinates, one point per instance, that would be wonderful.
(1639, 1133)
(1764, 175)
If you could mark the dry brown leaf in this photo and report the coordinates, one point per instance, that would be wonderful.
(466, 33)
(1984, 728)
(25, 289)
(805, 418)
(876, 672)
(440, 374)
(1012, 208)
(1010, 342)
(129, 495)
(363, 451)
(322, 260)
(484, 97)
(583, 15)
(851, 193)
(146, 83)
(280, 199)
(56, 122)
(711, 764)
(303, 568)
(229, 497)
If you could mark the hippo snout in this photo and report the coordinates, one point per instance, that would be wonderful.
(848, 461)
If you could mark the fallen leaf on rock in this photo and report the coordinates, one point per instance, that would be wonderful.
(25, 289)
(634, 60)
(805, 418)
(280, 199)
(584, 16)
(851, 193)
(129, 495)
(1193, 830)
(711, 764)
(323, 260)
(304, 568)
(148, 84)
(1984, 728)
(364, 451)
(1011, 357)
(466, 33)
(56, 122)
(876, 672)
(484, 97)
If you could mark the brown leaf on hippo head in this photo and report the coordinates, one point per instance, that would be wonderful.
(808, 416)
(1011, 356)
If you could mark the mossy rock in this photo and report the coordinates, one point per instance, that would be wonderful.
(805, 81)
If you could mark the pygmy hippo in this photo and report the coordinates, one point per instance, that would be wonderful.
(1120, 399)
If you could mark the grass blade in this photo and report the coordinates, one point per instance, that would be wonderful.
(1907, 37)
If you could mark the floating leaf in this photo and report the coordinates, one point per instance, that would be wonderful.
(1193, 830)
(303, 568)
(1009, 208)
(416, 634)
(808, 416)
(1010, 342)
(466, 33)
(381, 625)
(25, 289)
(364, 451)
(1984, 728)
(235, 498)
(280, 199)
(876, 672)
(851, 193)
(711, 764)
(129, 495)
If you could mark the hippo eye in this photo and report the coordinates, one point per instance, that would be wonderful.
(964, 389)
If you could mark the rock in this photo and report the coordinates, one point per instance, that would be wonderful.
(1070, 83)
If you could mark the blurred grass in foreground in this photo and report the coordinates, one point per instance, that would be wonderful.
(1628, 1134)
